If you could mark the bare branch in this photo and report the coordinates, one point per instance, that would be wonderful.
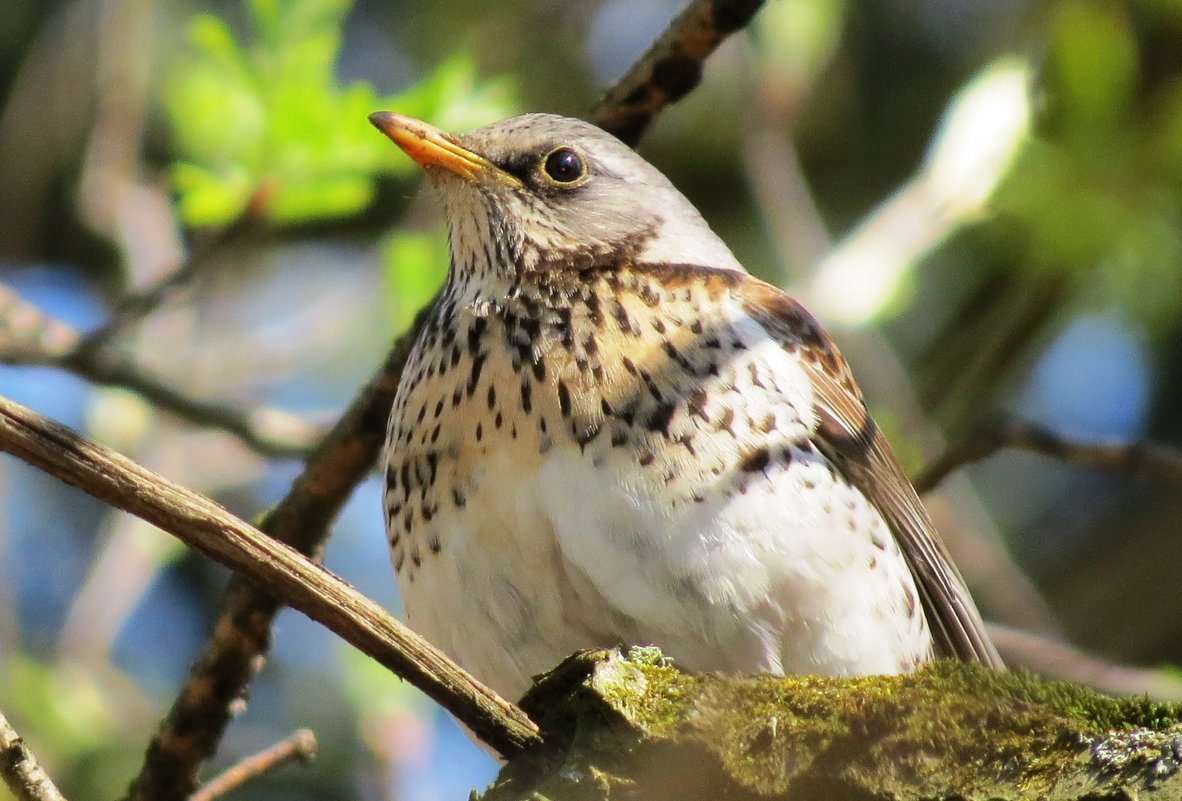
(291, 577)
(20, 769)
(242, 632)
(1146, 459)
(1058, 660)
(28, 336)
(134, 307)
(299, 747)
(671, 67)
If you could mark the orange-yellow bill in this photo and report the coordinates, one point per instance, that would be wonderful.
(429, 146)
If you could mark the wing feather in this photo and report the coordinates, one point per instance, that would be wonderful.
(848, 435)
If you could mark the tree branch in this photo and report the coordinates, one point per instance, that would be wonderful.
(242, 632)
(1059, 660)
(29, 336)
(291, 577)
(1145, 459)
(20, 769)
(671, 67)
(300, 746)
(135, 306)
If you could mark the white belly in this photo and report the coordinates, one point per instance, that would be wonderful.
(728, 584)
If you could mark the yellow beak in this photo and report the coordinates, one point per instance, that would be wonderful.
(431, 147)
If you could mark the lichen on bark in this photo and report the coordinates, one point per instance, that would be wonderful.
(631, 725)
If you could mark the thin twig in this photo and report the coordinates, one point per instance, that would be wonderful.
(291, 577)
(134, 307)
(1146, 459)
(29, 336)
(671, 67)
(21, 770)
(1058, 660)
(299, 747)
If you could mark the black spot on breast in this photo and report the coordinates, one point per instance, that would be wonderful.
(645, 458)
(696, 404)
(676, 356)
(755, 461)
(458, 498)
(563, 399)
(475, 333)
(474, 376)
(492, 396)
(653, 389)
(659, 419)
(594, 313)
(622, 318)
(527, 403)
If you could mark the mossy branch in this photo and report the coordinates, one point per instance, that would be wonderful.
(633, 726)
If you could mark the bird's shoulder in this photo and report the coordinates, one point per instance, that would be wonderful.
(847, 434)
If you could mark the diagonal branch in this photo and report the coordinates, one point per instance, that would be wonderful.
(242, 633)
(134, 307)
(671, 68)
(20, 769)
(29, 336)
(1146, 459)
(299, 747)
(293, 579)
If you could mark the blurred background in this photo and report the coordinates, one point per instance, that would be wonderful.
(982, 199)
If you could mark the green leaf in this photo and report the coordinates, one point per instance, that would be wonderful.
(414, 264)
(265, 119)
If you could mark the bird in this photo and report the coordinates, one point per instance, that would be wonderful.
(609, 433)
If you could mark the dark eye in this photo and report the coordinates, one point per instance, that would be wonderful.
(564, 166)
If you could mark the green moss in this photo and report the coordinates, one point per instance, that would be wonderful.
(950, 730)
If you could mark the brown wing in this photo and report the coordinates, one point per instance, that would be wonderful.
(850, 438)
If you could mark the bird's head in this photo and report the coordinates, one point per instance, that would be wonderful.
(540, 192)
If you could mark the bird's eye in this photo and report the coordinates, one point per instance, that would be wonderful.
(564, 166)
